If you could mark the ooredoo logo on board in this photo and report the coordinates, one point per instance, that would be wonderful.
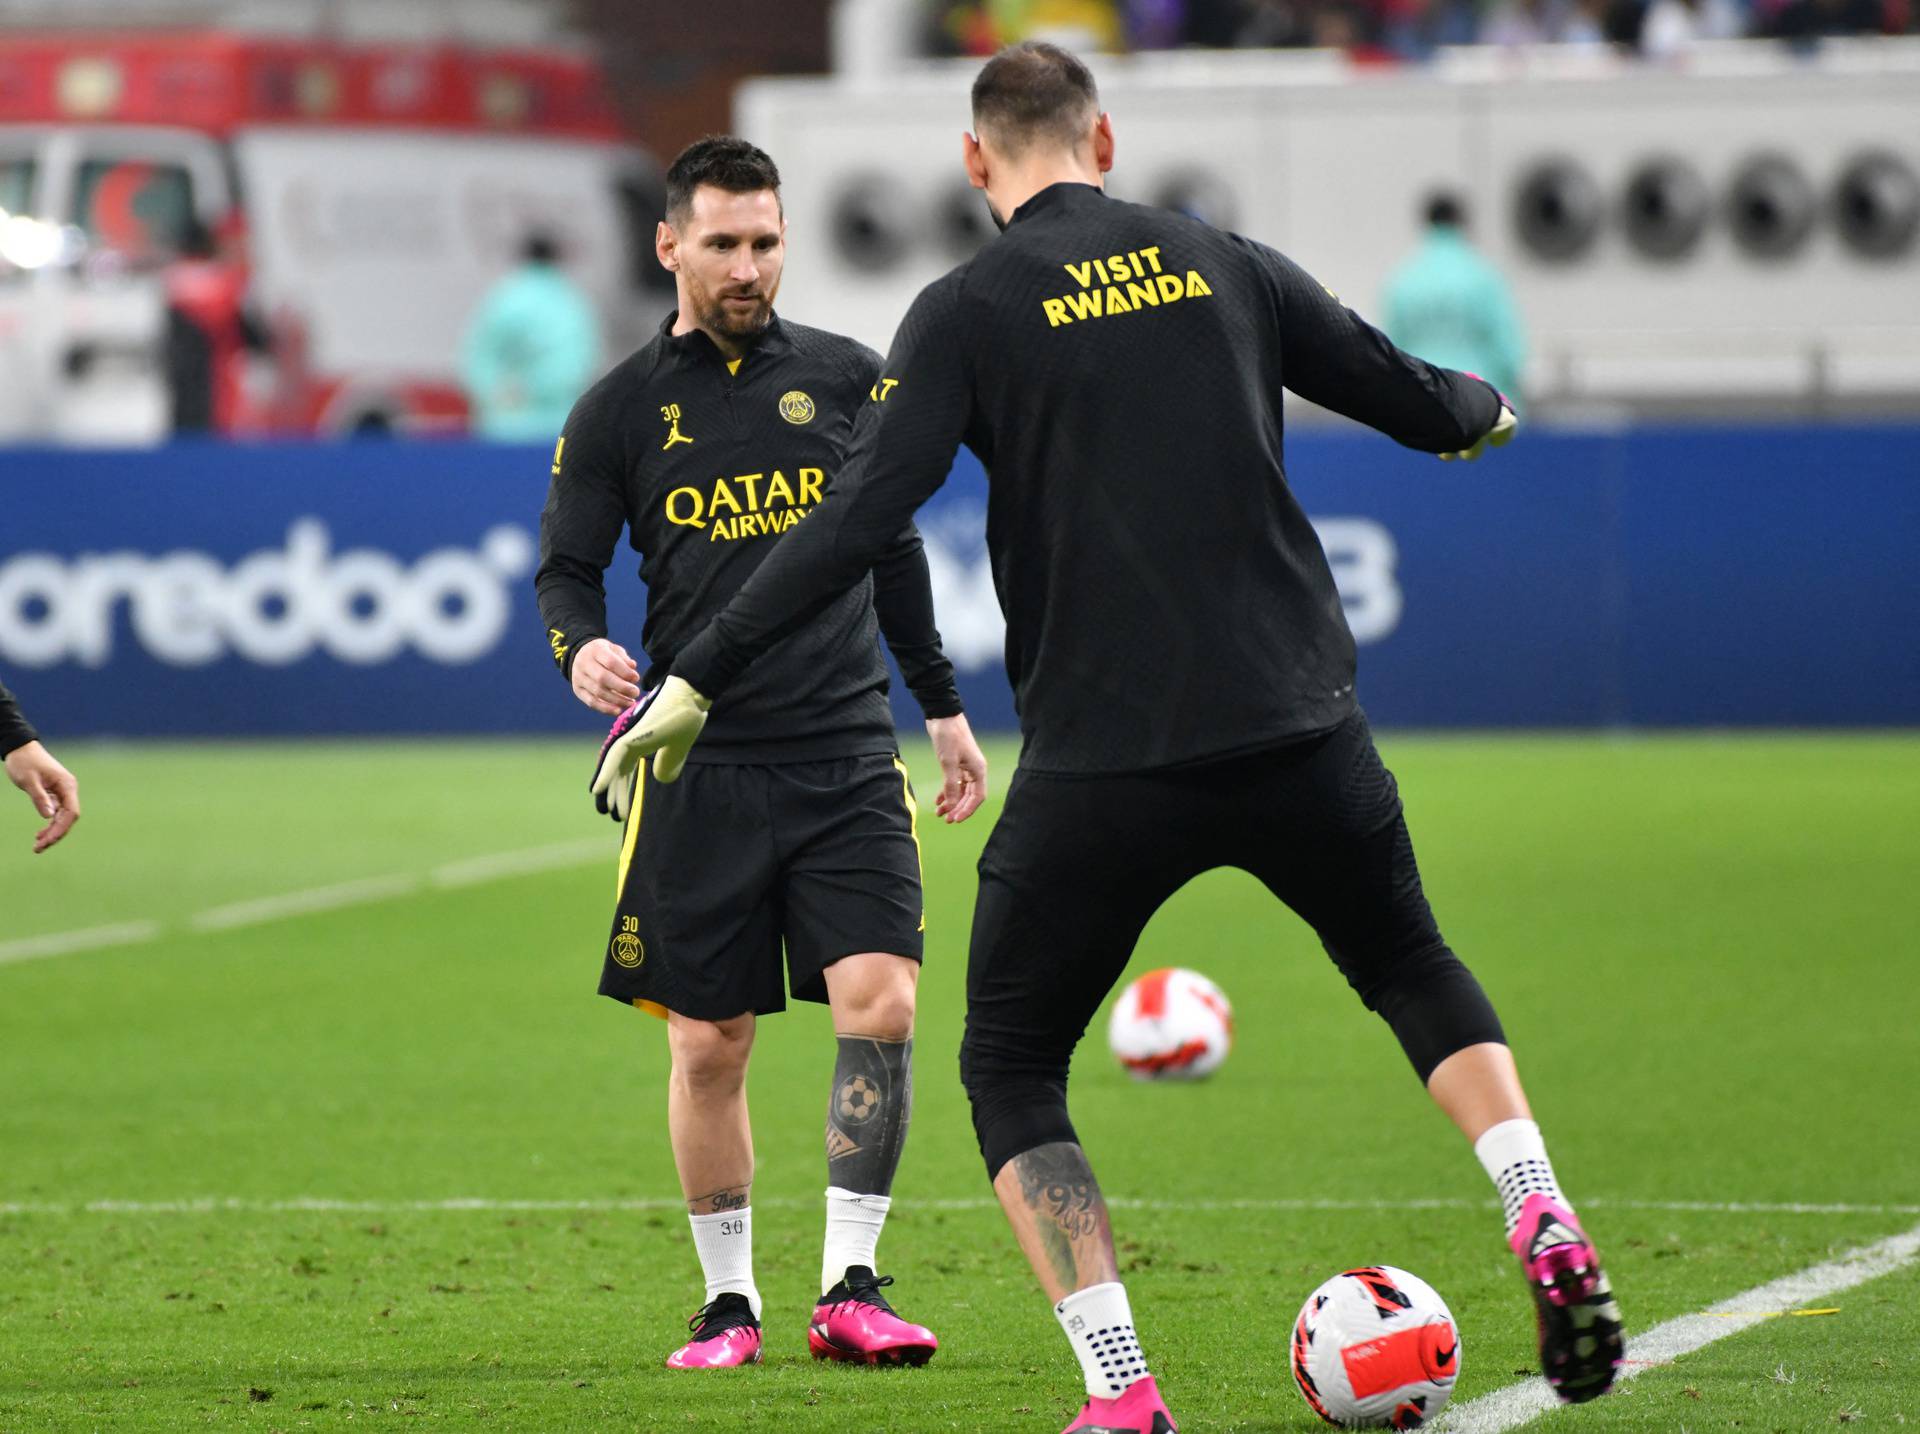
(274, 606)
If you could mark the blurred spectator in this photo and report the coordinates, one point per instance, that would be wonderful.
(1156, 24)
(1213, 23)
(1673, 26)
(1407, 29)
(1586, 23)
(1276, 23)
(1516, 22)
(532, 348)
(1450, 306)
(1565, 22)
(983, 26)
(1804, 23)
(980, 27)
(208, 333)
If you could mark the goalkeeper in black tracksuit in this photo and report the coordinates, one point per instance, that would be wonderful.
(1184, 673)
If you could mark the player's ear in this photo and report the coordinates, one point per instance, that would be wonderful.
(666, 247)
(1103, 142)
(974, 156)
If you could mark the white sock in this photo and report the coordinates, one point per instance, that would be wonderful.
(724, 1242)
(853, 1232)
(1099, 1326)
(1515, 1159)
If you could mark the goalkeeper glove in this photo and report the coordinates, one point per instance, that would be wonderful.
(1499, 436)
(662, 724)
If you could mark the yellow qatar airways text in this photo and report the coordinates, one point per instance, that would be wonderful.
(747, 504)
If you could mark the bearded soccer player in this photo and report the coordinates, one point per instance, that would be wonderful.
(796, 826)
(1184, 672)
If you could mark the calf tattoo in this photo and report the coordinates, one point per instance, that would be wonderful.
(1069, 1213)
(868, 1112)
(719, 1202)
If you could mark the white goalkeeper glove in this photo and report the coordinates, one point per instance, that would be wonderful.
(662, 724)
(1498, 436)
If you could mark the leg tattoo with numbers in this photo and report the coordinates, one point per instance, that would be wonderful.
(1064, 1214)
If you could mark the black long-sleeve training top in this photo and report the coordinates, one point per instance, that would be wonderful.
(706, 464)
(1118, 370)
(14, 731)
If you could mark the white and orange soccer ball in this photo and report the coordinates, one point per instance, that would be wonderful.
(1376, 1348)
(1171, 1024)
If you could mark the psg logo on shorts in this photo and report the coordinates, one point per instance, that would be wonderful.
(628, 951)
(796, 407)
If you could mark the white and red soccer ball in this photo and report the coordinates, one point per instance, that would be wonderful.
(1375, 1348)
(1171, 1024)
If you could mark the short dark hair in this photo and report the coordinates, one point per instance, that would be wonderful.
(1031, 93)
(539, 247)
(726, 162)
(1443, 206)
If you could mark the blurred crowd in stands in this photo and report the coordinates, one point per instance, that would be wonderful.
(1398, 30)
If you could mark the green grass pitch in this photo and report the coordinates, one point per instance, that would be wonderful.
(1703, 948)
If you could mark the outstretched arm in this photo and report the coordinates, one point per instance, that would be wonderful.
(1338, 360)
(916, 416)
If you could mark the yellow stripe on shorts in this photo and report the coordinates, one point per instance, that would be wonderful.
(633, 831)
(913, 825)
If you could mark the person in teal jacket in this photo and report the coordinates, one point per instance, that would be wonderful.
(1450, 306)
(531, 350)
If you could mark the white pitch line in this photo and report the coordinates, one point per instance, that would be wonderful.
(1517, 1404)
(318, 1204)
(478, 870)
(453, 875)
(65, 943)
(1744, 1207)
(303, 903)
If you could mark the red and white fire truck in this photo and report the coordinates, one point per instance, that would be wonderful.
(363, 195)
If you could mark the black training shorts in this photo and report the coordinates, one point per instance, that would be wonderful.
(721, 869)
(1078, 864)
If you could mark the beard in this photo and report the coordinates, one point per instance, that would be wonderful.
(736, 321)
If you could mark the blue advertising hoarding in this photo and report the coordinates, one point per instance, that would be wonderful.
(1650, 576)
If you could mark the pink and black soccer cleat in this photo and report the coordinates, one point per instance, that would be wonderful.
(1581, 1339)
(853, 1322)
(725, 1334)
(1139, 1410)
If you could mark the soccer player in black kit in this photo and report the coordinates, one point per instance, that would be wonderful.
(1184, 673)
(797, 827)
(31, 767)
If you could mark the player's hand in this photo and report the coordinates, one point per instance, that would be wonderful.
(1499, 436)
(663, 725)
(605, 677)
(963, 768)
(51, 787)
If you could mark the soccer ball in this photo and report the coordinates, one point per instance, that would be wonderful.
(1171, 1024)
(1375, 1348)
